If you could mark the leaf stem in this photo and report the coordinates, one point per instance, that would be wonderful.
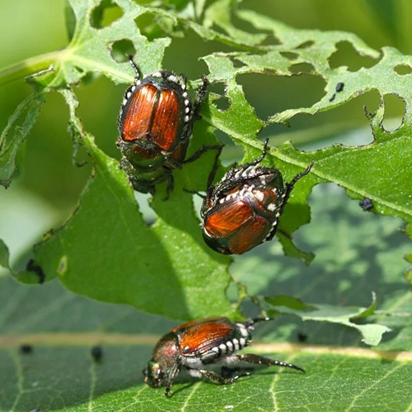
(28, 66)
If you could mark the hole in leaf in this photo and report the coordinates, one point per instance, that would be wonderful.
(223, 103)
(345, 124)
(238, 63)
(403, 69)
(148, 213)
(302, 68)
(270, 40)
(64, 182)
(306, 45)
(346, 55)
(102, 123)
(155, 26)
(105, 14)
(273, 94)
(289, 55)
(121, 49)
(248, 27)
(218, 88)
(394, 112)
(177, 59)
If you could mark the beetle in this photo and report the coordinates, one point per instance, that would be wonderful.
(242, 210)
(155, 124)
(202, 342)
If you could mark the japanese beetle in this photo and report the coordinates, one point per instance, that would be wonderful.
(202, 342)
(155, 124)
(243, 209)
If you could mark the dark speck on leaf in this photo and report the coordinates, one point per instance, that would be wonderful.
(302, 337)
(366, 204)
(333, 97)
(97, 353)
(26, 349)
(339, 87)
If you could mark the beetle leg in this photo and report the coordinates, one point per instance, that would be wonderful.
(136, 69)
(202, 150)
(175, 370)
(251, 322)
(261, 360)
(200, 96)
(170, 186)
(289, 186)
(216, 378)
(194, 192)
(199, 153)
(228, 372)
(260, 158)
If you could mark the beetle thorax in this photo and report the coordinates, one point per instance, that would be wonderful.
(167, 351)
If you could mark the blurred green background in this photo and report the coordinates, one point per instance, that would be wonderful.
(48, 185)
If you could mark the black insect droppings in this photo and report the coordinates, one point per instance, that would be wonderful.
(26, 348)
(32, 266)
(366, 204)
(97, 353)
(339, 87)
(333, 97)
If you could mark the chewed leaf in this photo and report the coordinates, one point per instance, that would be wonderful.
(165, 269)
(371, 333)
(10, 142)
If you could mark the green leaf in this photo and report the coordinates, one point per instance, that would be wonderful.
(9, 146)
(219, 13)
(371, 334)
(70, 19)
(60, 373)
